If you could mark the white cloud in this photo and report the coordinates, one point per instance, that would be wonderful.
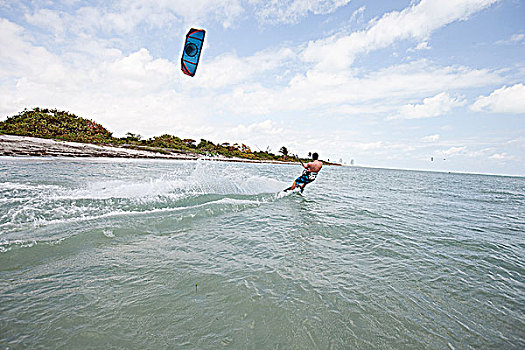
(431, 107)
(517, 38)
(466, 152)
(367, 146)
(357, 15)
(421, 46)
(229, 70)
(502, 156)
(139, 71)
(519, 141)
(289, 11)
(379, 93)
(360, 109)
(455, 150)
(261, 133)
(420, 78)
(48, 19)
(509, 100)
(121, 17)
(204, 11)
(514, 39)
(23, 59)
(415, 22)
(430, 138)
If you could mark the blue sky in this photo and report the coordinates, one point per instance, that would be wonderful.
(385, 83)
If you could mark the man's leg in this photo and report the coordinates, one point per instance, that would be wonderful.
(302, 187)
(291, 188)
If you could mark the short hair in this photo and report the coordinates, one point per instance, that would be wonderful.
(315, 156)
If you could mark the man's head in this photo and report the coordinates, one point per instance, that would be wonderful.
(315, 156)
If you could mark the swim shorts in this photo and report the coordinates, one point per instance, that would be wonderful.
(306, 177)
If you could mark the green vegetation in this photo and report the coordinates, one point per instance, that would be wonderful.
(54, 124)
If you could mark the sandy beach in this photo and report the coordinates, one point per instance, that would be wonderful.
(11, 145)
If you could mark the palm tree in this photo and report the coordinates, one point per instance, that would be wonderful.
(284, 151)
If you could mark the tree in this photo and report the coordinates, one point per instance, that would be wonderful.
(190, 143)
(284, 151)
(132, 137)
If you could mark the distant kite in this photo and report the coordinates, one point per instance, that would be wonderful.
(192, 51)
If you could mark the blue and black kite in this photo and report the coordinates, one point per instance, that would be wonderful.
(192, 51)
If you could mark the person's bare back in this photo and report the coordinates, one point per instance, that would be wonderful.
(314, 166)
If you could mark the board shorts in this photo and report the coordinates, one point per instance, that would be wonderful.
(306, 178)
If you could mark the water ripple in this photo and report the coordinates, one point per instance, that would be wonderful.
(149, 254)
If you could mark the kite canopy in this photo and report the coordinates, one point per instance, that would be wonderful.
(192, 51)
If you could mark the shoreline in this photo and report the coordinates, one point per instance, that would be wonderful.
(27, 146)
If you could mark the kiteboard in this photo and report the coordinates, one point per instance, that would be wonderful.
(284, 193)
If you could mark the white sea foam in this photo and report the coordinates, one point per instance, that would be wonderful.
(10, 186)
(40, 205)
(83, 214)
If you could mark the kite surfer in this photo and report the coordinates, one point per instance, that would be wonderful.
(309, 173)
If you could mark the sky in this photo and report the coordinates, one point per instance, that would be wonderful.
(383, 83)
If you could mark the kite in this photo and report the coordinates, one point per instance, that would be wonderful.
(192, 51)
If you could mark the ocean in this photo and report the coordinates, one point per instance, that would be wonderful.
(151, 254)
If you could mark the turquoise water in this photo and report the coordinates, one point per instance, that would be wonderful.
(128, 254)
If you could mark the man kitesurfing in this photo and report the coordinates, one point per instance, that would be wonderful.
(309, 173)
